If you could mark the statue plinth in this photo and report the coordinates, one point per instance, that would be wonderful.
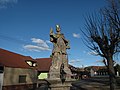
(59, 74)
(56, 84)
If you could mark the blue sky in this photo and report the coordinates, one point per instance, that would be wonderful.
(25, 26)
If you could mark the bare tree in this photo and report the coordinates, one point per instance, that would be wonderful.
(102, 35)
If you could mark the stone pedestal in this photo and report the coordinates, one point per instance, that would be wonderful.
(55, 80)
(56, 84)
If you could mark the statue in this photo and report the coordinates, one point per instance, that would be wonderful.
(59, 73)
(59, 54)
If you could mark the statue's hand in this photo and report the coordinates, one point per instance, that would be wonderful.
(68, 47)
(51, 31)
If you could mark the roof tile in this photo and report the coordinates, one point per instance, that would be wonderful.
(10, 59)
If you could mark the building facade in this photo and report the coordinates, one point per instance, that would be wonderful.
(15, 72)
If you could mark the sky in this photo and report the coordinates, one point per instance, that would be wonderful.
(25, 27)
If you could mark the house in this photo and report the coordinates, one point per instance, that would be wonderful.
(97, 70)
(78, 73)
(43, 67)
(17, 72)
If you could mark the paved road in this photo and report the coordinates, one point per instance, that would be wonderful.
(96, 83)
(92, 84)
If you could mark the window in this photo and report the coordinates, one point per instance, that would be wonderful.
(1, 69)
(22, 78)
(31, 63)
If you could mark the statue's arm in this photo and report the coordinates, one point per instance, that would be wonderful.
(68, 45)
(52, 35)
(67, 42)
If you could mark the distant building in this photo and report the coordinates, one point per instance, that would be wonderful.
(78, 73)
(97, 70)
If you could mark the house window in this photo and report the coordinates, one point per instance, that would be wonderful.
(31, 63)
(22, 78)
(1, 69)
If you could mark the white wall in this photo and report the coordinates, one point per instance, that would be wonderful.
(1, 80)
(92, 72)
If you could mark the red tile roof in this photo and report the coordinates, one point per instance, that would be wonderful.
(96, 68)
(10, 59)
(44, 64)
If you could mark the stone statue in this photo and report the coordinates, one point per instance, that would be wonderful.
(59, 54)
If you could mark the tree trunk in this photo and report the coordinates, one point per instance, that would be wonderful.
(111, 72)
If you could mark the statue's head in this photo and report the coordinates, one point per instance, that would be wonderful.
(58, 28)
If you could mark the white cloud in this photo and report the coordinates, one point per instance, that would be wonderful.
(41, 45)
(40, 42)
(75, 61)
(35, 48)
(6, 3)
(99, 62)
(93, 53)
(76, 35)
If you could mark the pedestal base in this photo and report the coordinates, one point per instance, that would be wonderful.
(56, 84)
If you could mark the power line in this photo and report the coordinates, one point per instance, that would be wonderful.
(12, 39)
